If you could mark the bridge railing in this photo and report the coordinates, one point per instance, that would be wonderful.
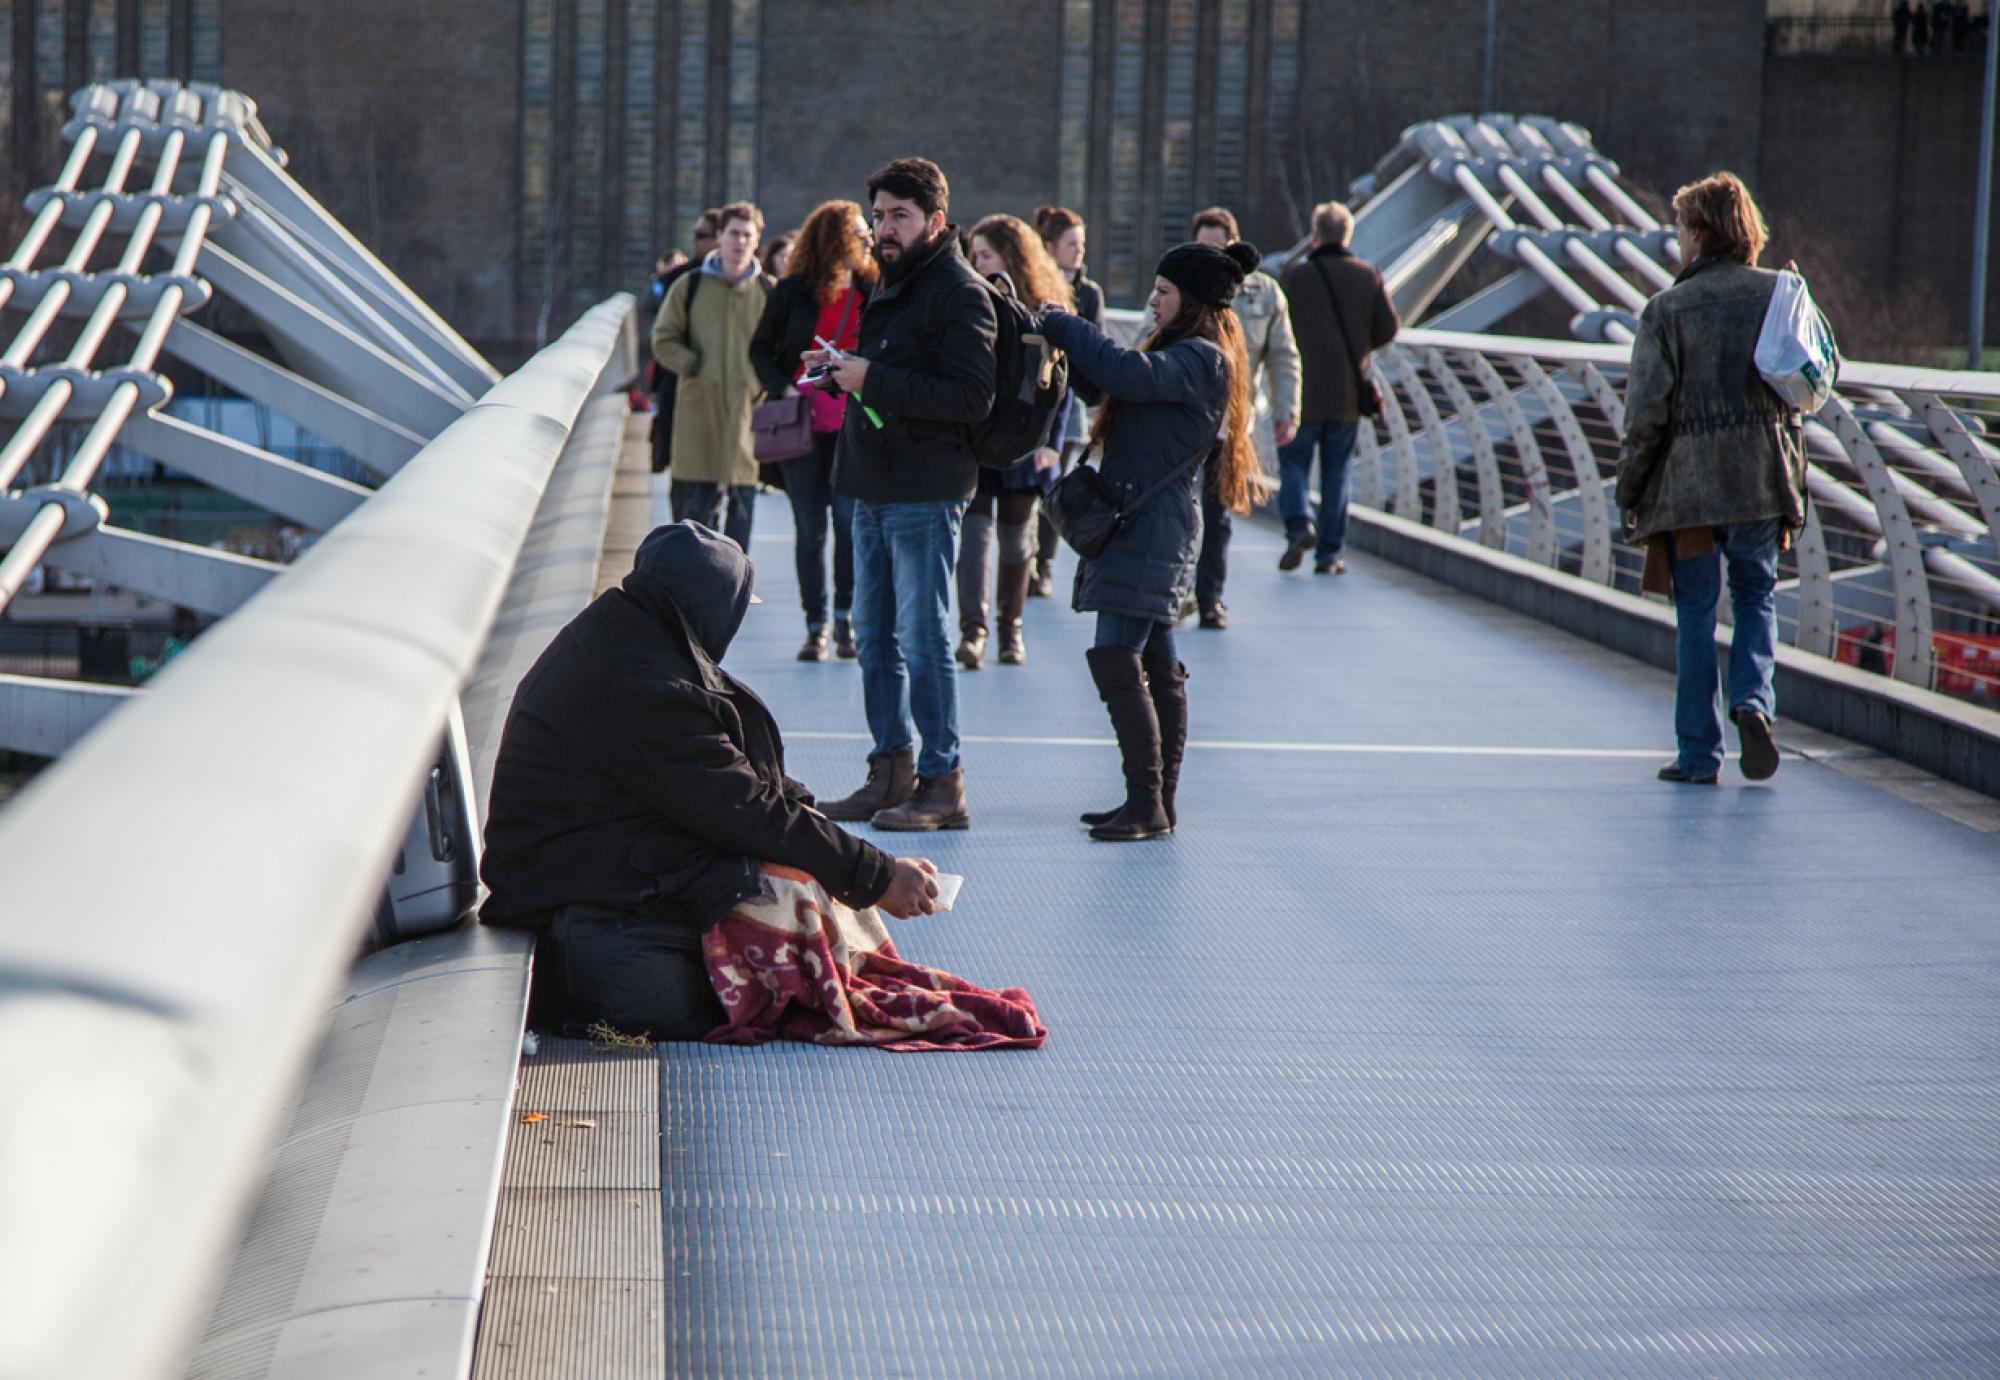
(1513, 442)
(184, 890)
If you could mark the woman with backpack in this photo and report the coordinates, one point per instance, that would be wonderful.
(1181, 398)
(831, 273)
(1003, 245)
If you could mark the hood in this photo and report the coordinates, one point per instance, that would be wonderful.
(705, 577)
(712, 267)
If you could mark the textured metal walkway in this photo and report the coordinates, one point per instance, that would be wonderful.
(1442, 1039)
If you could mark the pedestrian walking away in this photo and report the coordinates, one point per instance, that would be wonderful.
(1162, 409)
(703, 333)
(1066, 238)
(1340, 314)
(1712, 471)
(821, 298)
(919, 379)
(1265, 316)
(1005, 249)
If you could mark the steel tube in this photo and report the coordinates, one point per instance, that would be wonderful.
(1982, 217)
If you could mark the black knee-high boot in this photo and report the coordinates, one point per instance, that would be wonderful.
(1166, 679)
(1121, 682)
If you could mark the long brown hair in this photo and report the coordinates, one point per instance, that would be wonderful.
(830, 249)
(1234, 461)
(1036, 277)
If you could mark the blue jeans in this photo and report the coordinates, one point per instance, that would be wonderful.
(699, 501)
(1139, 634)
(1751, 550)
(1335, 443)
(903, 555)
(809, 485)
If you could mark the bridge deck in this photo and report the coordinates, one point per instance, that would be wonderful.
(1441, 1039)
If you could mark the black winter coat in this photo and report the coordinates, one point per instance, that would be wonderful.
(928, 337)
(784, 333)
(1171, 405)
(636, 774)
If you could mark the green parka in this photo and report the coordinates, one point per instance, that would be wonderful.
(710, 352)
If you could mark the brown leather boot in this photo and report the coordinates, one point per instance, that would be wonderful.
(892, 779)
(1013, 601)
(938, 804)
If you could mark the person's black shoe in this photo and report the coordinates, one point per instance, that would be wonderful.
(1336, 566)
(1759, 757)
(815, 648)
(1672, 772)
(1215, 617)
(1093, 818)
(1295, 550)
(1188, 609)
(843, 639)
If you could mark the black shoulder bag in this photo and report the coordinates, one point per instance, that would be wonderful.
(1085, 514)
(1367, 397)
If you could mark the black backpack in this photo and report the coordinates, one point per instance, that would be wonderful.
(1030, 377)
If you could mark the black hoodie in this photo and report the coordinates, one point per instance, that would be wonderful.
(635, 774)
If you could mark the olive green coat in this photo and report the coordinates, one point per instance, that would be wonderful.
(718, 388)
(1707, 443)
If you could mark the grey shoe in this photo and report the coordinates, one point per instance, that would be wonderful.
(939, 803)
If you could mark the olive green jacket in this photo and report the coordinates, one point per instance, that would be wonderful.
(1707, 443)
(718, 388)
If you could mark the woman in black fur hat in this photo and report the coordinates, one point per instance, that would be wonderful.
(1165, 407)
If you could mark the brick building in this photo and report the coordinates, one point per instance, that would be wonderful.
(517, 160)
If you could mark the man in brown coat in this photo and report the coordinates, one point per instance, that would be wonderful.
(1340, 312)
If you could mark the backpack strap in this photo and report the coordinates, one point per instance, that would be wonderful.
(1340, 323)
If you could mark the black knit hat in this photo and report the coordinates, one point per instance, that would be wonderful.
(1208, 274)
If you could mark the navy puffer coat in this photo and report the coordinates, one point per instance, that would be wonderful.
(1171, 404)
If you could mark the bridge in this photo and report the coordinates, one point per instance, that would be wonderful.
(1440, 1039)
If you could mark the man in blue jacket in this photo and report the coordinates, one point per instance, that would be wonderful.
(922, 376)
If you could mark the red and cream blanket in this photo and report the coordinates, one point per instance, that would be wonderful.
(793, 963)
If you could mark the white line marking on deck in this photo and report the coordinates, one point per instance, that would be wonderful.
(1251, 745)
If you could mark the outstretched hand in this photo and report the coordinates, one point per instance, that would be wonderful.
(912, 891)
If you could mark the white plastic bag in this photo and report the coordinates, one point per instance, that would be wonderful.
(1795, 351)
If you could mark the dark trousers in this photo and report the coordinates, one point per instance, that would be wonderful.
(699, 501)
(1212, 570)
(809, 485)
(636, 974)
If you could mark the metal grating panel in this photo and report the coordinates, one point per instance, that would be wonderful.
(1232, 93)
(156, 35)
(745, 39)
(642, 57)
(538, 78)
(1281, 114)
(205, 41)
(1177, 131)
(691, 119)
(574, 1284)
(1397, 1059)
(1128, 91)
(100, 40)
(1078, 65)
(586, 229)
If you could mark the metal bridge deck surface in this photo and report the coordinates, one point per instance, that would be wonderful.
(1390, 1061)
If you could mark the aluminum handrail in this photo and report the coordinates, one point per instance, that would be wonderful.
(159, 1003)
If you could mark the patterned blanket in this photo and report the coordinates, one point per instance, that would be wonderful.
(793, 963)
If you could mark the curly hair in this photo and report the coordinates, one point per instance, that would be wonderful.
(830, 251)
(1036, 277)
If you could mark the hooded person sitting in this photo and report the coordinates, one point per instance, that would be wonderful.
(638, 789)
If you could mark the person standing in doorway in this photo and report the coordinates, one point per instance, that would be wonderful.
(1341, 313)
(821, 298)
(920, 378)
(1264, 315)
(703, 334)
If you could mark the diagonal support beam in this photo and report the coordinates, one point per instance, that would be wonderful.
(377, 444)
(293, 491)
(217, 582)
(43, 716)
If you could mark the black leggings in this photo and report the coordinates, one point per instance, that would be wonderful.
(1014, 507)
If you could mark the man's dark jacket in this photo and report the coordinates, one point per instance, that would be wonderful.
(637, 775)
(928, 334)
(1328, 391)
